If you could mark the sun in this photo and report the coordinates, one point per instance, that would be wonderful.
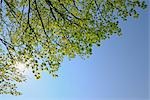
(21, 67)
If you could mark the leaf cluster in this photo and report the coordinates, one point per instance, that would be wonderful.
(43, 32)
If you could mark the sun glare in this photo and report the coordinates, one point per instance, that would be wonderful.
(21, 67)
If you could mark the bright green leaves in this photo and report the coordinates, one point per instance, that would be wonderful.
(53, 29)
(40, 33)
(9, 76)
(143, 5)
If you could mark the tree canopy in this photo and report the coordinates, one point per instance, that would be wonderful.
(43, 32)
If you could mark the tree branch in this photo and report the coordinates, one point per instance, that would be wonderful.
(40, 17)
(74, 3)
(12, 11)
(29, 13)
(7, 45)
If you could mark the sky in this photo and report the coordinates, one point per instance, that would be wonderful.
(117, 70)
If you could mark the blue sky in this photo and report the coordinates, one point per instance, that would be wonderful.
(117, 70)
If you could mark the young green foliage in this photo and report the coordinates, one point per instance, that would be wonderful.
(45, 31)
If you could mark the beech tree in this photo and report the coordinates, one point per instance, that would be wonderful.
(43, 32)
